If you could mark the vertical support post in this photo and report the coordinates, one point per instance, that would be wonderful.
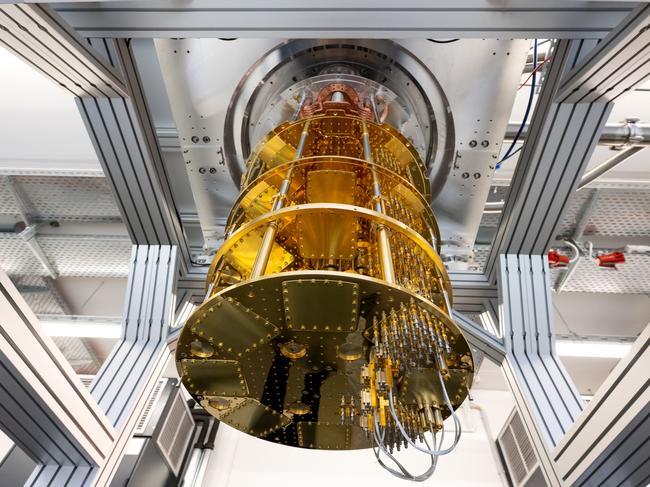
(262, 258)
(383, 241)
(544, 393)
(44, 407)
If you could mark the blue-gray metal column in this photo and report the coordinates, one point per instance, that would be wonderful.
(561, 139)
(610, 442)
(122, 132)
(126, 379)
(545, 395)
(44, 407)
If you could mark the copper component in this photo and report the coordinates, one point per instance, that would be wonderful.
(350, 105)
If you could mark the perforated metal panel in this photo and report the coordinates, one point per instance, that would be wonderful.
(16, 258)
(97, 257)
(70, 255)
(481, 253)
(68, 198)
(617, 212)
(490, 220)
(37, 294)
(632, 277)
(79, 353)
(8, 204)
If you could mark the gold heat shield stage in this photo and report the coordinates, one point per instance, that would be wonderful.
(327, 310)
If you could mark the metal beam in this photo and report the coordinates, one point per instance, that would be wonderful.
(37, 34)
(346, 19)
(618, 64)
(45, 409)
(122, 132)
(126, 379)
(471, 290)
(630, 132)
(482, 339)
(588, 178)
(562, 139)
(610, 442)
(545, 395)
(150, 304)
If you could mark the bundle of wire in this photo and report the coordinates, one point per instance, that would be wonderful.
(510, 152)
(434, 453)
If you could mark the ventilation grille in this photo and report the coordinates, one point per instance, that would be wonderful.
(86, 379)
(517, 449)
(176, 433)
(149, 407)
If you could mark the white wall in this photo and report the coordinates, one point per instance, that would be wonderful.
(240, 460)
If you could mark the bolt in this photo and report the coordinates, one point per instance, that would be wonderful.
(465, 175)
(485, 143)
(195, 138)
(202, 170)
(213, 170)
(472, 143)
(477, 175)
(206, 139)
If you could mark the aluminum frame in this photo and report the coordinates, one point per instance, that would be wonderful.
(45, 407)
(344, 18)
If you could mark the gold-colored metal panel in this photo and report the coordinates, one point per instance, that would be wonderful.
(254, 418)
(213, 377)
(245, 250)
(232, 328)
(330, 436)
(327, 237)
(331, 186)
(308, 305)
(259, 199)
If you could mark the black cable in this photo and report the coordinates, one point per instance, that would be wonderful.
(448, 41)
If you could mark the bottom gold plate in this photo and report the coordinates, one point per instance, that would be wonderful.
(286, 383)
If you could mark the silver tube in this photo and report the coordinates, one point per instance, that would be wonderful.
(608, 165)
(375, 111)
(296, 114)
(630, 132)
(262, 257)
(587, 178)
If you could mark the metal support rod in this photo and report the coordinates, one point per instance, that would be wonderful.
(383, 241)
(20, 199)
(29, 233)
(629, 132)
(29, 237)
(581, 224)
(375, 111)
(262, 258)
(608, 165)
(301, 104)
(588, 178)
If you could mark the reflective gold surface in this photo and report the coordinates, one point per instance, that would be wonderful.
(328, 299)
